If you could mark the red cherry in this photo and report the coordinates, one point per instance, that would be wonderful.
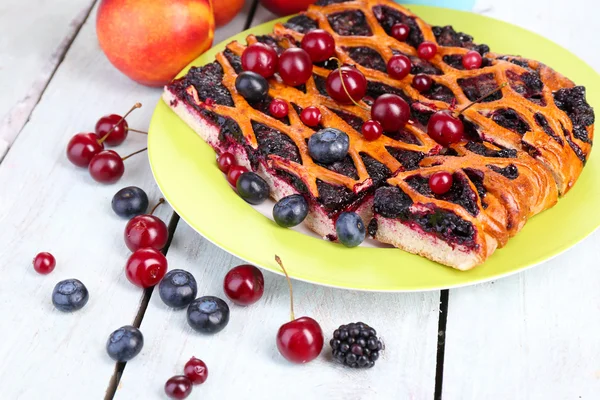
(319, 44)
(400, 32)
(44, 263)
(355, 85)
(295, 66)
(391, 111)
(225, 161)
(278, 108)
(244, 285)
(178, 387)
(82, 148)
(427, 50)
(106, 167)
(445, 128)
(146, 231)
(146, 267)
(260, 58)
(440, 182)
(196, 371)
(372, 130)
(398, 67)
(422, 82)
(118, 135)
(311, 116)
(234, 174)
(472, 60)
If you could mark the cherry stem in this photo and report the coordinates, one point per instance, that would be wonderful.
(134, 153)
(138, 131)
(290, 286)
(160, 201)
(103, 138)
(483, 98)
(339, 65)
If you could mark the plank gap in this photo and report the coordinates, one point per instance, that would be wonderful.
(441, 345)
(251, 15)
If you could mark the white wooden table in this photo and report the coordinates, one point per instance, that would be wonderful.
(535, 335)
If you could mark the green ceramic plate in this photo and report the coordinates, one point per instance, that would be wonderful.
(185, 169)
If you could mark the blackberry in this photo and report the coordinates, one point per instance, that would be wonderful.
(356, 345)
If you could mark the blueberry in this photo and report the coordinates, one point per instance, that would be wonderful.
(290, 211)
(252, 188)
(125, 343)
(70, 295)
(129, 202)
(350, 229)
(208, 314)
(252, 86)
(328, 145)
(178, 288)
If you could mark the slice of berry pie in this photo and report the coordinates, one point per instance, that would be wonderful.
(443, 147)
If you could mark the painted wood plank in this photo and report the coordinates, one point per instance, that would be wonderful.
(34, 37)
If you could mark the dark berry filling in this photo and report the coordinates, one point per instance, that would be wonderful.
(530, 149)
(270, 41)
(234, 60)
(292, 180)
(208, 83)
(376, 89)
(345, 167)
(454, 60)
(471, 130)
(367, 57)
(272, 141)
(409, 159)
(460, 193)
(321, 84)
(372, 228)
(543, 123)
(476, 176)
(510, 119)
(576, 149)
(391, 202)
(447, 36)
(481, 85)
(335, 198)
(510, 171)
(350, 23)
(388, 17)
(421, 112)
(403, 136)
(573, 102)
(440, 93)
(377, 171)
(354, 121)
(483, 150)
(528, 84)
(420, 66)
(328, 2)
(228, 128)
(301, 24)
(327, 64)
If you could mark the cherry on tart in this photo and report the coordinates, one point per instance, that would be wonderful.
(346, 85)
(82, 148)
(398, 67)
(113, 128)
(319, 44)
(278, 108)
(196, 371)
(146, 267)
(472, 60)
(44, 263)
(295, 66)
(225, 161)
(440, 182)
(422, 82)
(400, 32)
(427, 50)
(311, 116)
(234, 174)
(300, 340)
(244, 285)
(261, 59)
(391, 111)
(146, 231)
(444, 128)
(372, 130)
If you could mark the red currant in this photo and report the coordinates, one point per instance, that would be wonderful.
(260, 58)
(398, 67)
(311, 116)
(234, 174)
(391, 111)
(106, 167)
(353, 88)
(444, 128)
(118, 135)
(400, 32)
(225, 161)
(295, 66)
(427, 50)
(278, 108)
(319, 44)
(82, 148)
(440, 182)
(196, 371)
(372, 130)
(178, 387)
(146, 267)
(146, 231)
(244, 285)
(44, 263)
(472, 60)
(422, 82)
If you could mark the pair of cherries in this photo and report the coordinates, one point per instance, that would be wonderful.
(86, 150)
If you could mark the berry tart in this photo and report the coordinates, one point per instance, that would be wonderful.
(443, 147)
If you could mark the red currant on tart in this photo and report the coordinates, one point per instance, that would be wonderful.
(146, 267)
(400, 32)
(225, 161)
(398, 67)
(261, 59)
(440, 182)
(346, 85)
(234, 174)
(278, 108)
(427, 50)
(422, 82)
(445, 128)
(295, 66)
(311, 116)
(472, 60)
(391, 111)
(82, 148)
(319, 44)
(372, 130)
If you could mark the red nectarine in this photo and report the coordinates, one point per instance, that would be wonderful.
(286, 7)
(151, 41)
(226, 10)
